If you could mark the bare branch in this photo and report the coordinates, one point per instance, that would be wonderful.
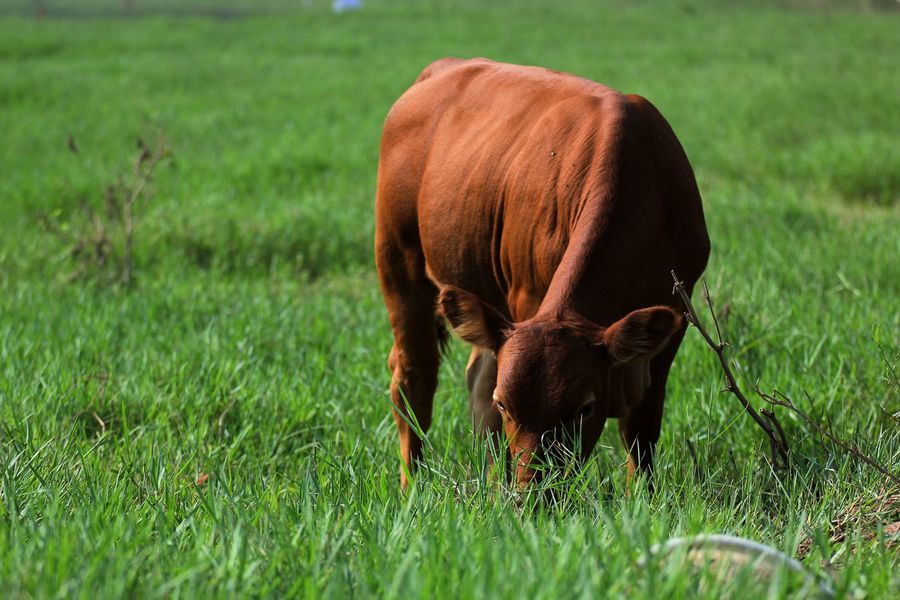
(712, 311)
(765, 417)
(766, 420)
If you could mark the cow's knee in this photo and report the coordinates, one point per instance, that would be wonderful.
(413, 383)
(418, 380)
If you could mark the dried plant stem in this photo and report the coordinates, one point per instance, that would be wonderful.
(144, 165)
(765, 419)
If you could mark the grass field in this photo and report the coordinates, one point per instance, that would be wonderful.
(250, 353)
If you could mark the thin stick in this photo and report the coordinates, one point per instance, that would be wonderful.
(767, 421)
(712, 311)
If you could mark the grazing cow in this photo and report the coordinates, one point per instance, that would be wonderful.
(540, 214)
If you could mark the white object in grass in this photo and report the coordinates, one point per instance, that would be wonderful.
(730, 553)
(340, 6)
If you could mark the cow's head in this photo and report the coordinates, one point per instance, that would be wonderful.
(553, 374)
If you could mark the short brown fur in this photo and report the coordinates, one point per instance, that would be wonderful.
(541, 214)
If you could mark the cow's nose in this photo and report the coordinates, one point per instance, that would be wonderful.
(526, 476)
(531, 468)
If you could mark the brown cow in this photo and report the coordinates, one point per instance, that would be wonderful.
(540, 214)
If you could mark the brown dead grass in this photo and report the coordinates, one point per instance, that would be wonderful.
(867, 515)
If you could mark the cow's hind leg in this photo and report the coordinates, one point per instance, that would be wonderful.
(640, 428)
(415, 357)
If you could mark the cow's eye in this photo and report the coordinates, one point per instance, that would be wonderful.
(500, 406)
(587, 409)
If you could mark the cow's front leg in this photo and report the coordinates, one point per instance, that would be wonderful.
(640, 428)
(481, 379)
(412, 392)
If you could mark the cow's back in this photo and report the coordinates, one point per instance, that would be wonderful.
(489, 168)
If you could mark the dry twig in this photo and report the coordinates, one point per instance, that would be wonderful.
(94, 241)
(766, 419)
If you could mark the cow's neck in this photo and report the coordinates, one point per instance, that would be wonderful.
(575, 286)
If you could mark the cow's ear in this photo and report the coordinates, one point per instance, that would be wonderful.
(640, 334)
(473, 320)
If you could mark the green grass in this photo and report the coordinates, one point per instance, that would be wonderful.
(253, 345)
